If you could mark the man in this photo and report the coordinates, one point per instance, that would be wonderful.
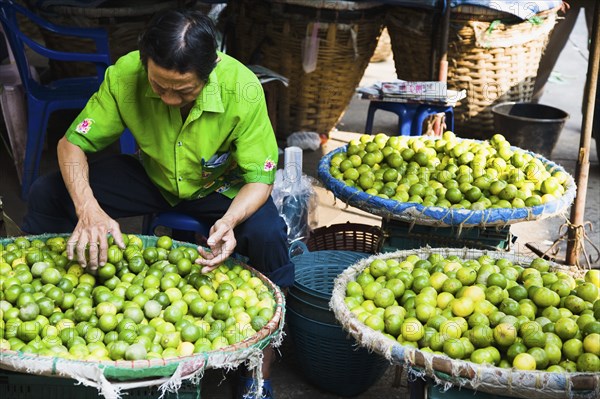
(207, 149)
(558, 39)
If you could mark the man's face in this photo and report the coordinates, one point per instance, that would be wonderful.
(175, 89)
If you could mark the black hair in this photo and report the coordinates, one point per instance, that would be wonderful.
(180, 40)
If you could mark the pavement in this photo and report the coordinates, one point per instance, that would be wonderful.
(288, 378)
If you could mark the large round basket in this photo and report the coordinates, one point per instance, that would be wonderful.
(339, 36)
(492, 54)
(113, 377)
(447, 371)
(437, 216)
(124, 21)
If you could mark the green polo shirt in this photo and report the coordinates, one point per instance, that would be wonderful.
(226, 141)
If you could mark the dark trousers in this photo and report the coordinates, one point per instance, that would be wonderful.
(557, 41)
(123, 189)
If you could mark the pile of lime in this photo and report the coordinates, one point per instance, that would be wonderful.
(448, 172)
(483, 310)
(147, 302)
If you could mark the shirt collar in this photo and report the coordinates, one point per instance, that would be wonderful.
(210, 96)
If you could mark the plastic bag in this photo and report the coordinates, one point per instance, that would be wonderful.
(295, 199)
(304, 140)
(310, 48)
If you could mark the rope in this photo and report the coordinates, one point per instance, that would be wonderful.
(580, 238)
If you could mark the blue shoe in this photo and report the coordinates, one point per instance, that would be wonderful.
(245, 389)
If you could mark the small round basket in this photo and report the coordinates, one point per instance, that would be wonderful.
(492, 54)
(339, 36)
(113, 377)
(437, 216)
(347, 236)
(447, 371)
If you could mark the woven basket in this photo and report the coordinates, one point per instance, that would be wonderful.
(461, 373)
(271, 33)
(412, 212)
(346, 237)
(493, 55)
(113, 377)
(124, 21)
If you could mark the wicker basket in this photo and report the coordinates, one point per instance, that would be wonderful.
(271, 33)
(124, 21)
(347, 237)
(110, 378)
(449, 372)
(412, 212)
(493, 55)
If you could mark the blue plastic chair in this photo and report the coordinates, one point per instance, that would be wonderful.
(176, 221)
(410, 116)
(45, 98)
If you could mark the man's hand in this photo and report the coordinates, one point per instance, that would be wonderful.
(91, 231)
(222, 239)
(221, 243)
(94, 224)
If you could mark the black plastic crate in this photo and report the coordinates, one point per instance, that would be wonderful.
(400, 235)
(30, 386)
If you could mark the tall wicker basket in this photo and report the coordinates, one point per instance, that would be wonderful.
(124, 21)
(493, 55)
(272, 32)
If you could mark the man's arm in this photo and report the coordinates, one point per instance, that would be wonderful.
(222, 239)
(93, 224)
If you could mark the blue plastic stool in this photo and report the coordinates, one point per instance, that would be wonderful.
(178, 222)
(411, 116)
(175, 221)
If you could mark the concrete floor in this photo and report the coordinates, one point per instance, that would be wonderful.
(288, 379)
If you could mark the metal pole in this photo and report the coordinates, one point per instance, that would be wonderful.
(574, 242)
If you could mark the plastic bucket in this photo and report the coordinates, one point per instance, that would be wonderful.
(533, 127)
(327, 357)
(330, 359)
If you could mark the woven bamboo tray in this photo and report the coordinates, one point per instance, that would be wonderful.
(447, 371)
(493, 55)
(272, 33)
(437, 216)
(113, 377)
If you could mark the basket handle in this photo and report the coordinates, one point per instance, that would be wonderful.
(297, 248)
